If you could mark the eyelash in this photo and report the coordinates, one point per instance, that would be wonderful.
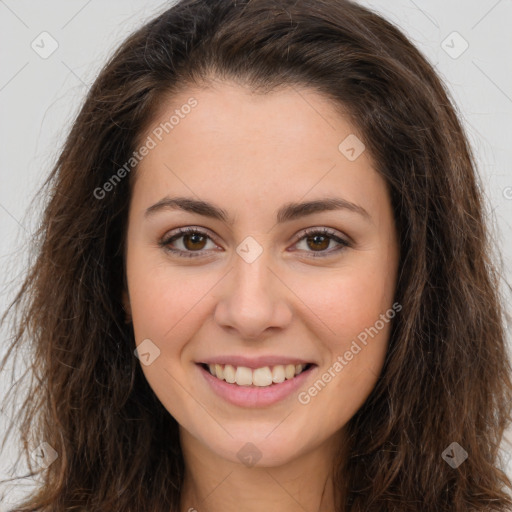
(164, 243)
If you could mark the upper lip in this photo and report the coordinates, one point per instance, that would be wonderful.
(254, 362)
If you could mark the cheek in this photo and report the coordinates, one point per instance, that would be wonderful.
(166, 306)
(356, 306)
(165, 300)
(352, 299)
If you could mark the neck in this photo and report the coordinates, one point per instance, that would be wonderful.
(216, 484)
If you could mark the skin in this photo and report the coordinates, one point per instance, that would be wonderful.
(249, 155)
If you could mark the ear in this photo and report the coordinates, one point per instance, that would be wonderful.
(127, 307)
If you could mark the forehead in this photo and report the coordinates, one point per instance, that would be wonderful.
(238, 115)
(261, 145)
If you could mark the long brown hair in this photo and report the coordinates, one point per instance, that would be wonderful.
(447, 376)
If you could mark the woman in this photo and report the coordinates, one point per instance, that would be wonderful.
(263, 278)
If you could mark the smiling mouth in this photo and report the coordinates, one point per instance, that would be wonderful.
(265, 376)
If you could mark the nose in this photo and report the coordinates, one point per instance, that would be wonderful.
(253, 300)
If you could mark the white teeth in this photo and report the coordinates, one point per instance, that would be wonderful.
(261, 377)
(289, 371)
(219, 371)
(229, 374)
(278, 374)
(243, 376)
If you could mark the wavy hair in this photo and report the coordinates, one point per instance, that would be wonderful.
(447, 373)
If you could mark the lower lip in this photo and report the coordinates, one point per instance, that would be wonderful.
(255, 396)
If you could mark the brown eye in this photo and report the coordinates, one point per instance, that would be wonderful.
(188, 242)
(194, 241)
(318, 242)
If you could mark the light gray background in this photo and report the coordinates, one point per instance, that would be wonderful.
(40, 96)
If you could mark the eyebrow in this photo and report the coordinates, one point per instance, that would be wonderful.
(288, 212)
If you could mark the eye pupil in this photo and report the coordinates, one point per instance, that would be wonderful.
(194, 238)
(319, 239)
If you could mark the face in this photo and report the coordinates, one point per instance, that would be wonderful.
(260, 246)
